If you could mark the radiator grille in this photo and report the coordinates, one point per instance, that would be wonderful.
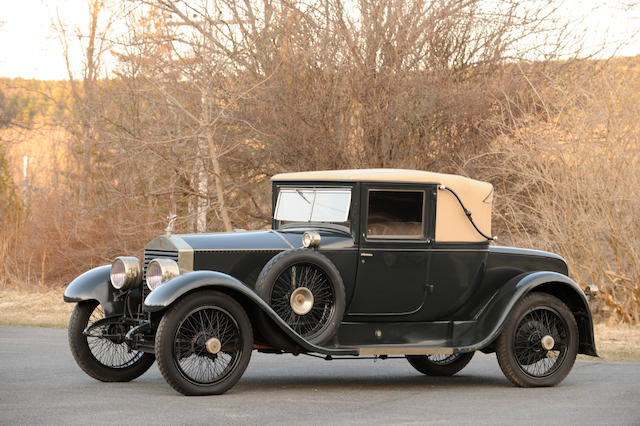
(149, 255)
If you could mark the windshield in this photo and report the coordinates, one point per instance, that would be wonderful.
(313, 205)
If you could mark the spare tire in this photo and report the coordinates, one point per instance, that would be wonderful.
(306, 290)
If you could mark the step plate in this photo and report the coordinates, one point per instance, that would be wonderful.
(402, 350)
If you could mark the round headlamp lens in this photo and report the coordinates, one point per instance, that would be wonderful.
(159, 271)
(125, 272)
(154, 275)
(118, 274)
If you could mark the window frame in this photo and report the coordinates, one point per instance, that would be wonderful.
(426, 217)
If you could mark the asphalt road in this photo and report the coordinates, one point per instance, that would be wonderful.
(40, 383)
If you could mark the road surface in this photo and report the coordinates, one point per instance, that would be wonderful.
(40, 383)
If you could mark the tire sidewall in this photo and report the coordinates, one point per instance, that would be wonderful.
(278, 264)
(85, 359)
(505, 350)
(168, 328)
(426, 366)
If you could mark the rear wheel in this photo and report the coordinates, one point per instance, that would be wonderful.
(539, 344)
(204, 343)
(440, 365)
(103, 354)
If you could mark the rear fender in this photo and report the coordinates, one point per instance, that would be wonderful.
(168, 293)
(493, 317)
(95, 284)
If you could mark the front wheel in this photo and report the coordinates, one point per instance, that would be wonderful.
(539, 343)
(203, 344)
(440, 365)
(103, 354)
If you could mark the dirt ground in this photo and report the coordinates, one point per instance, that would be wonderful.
(45, 308)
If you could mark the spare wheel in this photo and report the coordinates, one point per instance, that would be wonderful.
(306, 290)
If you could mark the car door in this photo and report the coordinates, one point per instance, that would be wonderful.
(392, 270)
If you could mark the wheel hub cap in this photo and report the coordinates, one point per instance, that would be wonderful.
(301, 301)
(547, 342)
(213, 345)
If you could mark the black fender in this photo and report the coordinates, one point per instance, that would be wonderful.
(492, 318)
(95, 284)
(169, 292)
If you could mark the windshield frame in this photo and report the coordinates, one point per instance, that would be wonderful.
(353, 207)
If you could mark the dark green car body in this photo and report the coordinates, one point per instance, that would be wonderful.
(402, 295)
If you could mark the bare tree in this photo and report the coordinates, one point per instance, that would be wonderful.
(95, 43)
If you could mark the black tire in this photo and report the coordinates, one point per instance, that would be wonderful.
(181, 343)
(297, 268)
(104, 359)
(521, 355)
(440, 365)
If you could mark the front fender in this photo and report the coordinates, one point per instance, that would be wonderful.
(163, 296)
(491, 320)
(94, 284)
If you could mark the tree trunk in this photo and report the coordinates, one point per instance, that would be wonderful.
(213, 153)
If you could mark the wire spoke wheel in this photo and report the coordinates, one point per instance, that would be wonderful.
(107, 345)
(532, 357)
(539, 343)
(196, 362)
(443, 359)
(314, 279)
(103, 353)
(204, 343)
(305, 289)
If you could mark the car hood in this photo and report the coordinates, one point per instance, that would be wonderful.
(254, 240)
(239, 254)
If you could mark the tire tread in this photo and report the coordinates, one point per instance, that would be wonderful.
(164, 355)
(425, 366)
(505, 355)
(85, 359)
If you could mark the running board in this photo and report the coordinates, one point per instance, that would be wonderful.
(403, 350)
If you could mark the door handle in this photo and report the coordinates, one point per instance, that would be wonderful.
(366, 254)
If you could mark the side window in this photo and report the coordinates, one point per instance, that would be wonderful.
(395, 214)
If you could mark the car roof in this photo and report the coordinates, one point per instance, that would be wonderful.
(375, 175)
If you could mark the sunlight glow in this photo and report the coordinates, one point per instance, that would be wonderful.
(31, 48)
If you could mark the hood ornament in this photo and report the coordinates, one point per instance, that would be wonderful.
(172, 219)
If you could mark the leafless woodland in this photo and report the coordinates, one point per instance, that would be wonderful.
(202, 101)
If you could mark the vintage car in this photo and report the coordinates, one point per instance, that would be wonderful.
(359, 263)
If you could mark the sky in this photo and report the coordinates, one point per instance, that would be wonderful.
(29, 47)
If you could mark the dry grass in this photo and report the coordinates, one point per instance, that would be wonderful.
(619, 342)
(46, 308)
(34, 308)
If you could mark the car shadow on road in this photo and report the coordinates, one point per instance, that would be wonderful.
(390, 383)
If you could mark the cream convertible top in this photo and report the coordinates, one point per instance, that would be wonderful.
(451, 221)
